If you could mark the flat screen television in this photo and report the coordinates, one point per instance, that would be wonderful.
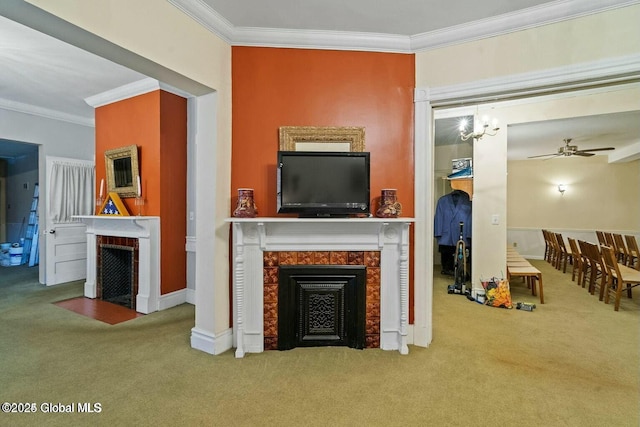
(323, 184)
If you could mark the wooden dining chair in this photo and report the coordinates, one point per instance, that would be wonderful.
(547, 246)
(601, 239)
(586, 264)
(620, 277)
(598, 276)
(632, 247)
(551, 247)
(576, 271)
(621, 248)
(564, 255)
(608, 240)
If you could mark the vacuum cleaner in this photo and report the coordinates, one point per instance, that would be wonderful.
(460, 267)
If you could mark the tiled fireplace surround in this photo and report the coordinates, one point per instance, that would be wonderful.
(261, 245)
(272, 263)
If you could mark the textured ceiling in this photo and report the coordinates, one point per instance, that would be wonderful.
(405, 17)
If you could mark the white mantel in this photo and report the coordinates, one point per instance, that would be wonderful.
(144, 228)
(252, 236)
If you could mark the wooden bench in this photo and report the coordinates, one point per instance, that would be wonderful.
(517, 266)
(531, 274)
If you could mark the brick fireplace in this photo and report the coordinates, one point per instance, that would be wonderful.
(142, 233)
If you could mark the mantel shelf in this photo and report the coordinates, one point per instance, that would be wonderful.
(322, 220)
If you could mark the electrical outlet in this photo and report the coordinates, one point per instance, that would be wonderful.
(495, 219)
(25, 185)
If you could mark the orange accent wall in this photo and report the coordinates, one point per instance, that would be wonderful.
(275, 87)
(173, 191)
(157, 123)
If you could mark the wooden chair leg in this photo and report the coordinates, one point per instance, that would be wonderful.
(618, 295)
(539, 277)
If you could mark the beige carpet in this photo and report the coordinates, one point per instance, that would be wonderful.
(571, 362)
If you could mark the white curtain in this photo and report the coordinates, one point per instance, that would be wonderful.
(70, 191)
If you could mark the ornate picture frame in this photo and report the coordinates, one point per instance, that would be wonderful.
(316, 138)
(122, 170)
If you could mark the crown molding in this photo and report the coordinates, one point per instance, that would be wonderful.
(545, 14)
(315, 39)
(46, 113)
(548, 13)
(625, 69)
(203, 14)
(130, 90)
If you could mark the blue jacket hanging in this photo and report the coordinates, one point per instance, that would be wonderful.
(451, 210)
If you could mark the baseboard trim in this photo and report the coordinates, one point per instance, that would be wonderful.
(191, 296)
(172, 299)
(211, 343)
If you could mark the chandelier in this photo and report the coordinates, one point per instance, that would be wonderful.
(480, 128)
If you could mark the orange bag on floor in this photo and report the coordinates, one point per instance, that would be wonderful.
(497, 293)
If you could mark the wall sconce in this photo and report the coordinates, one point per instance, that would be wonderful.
(562, 188)
(480, 128)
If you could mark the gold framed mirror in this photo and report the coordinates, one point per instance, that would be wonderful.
(314, 138)
(122, 170)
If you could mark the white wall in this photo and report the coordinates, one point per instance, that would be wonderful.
(55, 138)
(599, 195)
(611, 34)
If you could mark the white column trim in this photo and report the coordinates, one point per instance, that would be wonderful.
(422, 246)
(211, 332)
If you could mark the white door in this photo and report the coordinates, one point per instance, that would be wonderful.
(66, 243)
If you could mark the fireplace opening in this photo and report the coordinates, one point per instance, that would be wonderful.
(116, 278)
(321, 306)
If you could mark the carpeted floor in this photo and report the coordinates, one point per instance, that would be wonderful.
(571, 362)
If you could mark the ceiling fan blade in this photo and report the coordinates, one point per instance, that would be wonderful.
(584, 154)
(598, 149)
(543, 155)
(553, 157)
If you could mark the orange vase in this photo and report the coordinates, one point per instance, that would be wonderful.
(246, 206)
(389, 205)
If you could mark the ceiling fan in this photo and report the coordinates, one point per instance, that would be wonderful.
(570, 150)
